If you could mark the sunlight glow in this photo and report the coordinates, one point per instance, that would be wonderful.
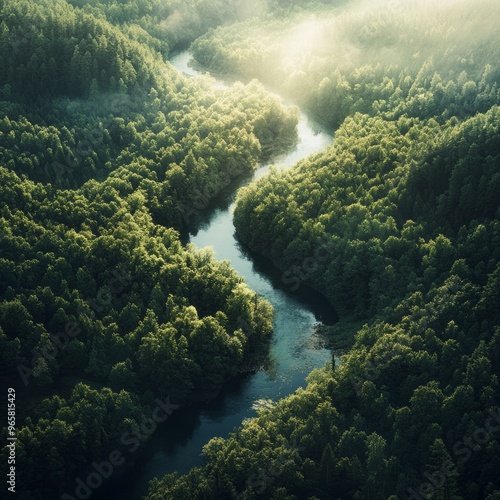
(302, 41)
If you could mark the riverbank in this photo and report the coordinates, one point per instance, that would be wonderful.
(295, 348)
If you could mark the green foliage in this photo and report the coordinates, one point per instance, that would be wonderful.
(365, 58)
(397, 411)
(165, 24)
(77, 431)
(80, 270)
(54, 49)
(172, 150)
(394, 213)
(104, 149)
(405, 206)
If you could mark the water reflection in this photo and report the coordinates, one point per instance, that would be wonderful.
(294, 351)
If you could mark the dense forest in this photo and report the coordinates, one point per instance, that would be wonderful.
(397, 224)
(107, 154)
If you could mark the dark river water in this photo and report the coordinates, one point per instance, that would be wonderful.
(295, 348)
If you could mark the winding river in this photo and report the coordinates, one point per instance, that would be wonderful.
(295, 348)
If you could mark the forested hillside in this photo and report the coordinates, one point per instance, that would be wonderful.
(397, 224)
(410, 402)
(420, 59)
(392, 199)
(105, 152)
